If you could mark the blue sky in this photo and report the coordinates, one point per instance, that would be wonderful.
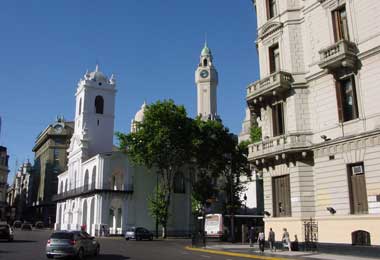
(152, 47)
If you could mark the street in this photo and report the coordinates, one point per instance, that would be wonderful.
(31, 245)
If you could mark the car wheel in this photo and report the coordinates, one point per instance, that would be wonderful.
(138, 238)
(97, 250)
(49, 256)
(80, 254)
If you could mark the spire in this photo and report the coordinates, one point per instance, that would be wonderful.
(206, 51)
(97, 67)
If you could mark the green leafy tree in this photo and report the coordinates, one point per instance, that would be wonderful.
(237, 166)
(255, 134)
(163, 141)
(157, 206)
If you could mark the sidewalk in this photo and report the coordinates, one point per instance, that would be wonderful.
(253, 252)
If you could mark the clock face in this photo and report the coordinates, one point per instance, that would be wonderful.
(204, 74)
(58, 129)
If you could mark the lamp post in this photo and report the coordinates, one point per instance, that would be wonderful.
(245, 203)
(156, 201)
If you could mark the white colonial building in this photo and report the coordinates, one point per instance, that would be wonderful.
(102, 189)
(317, 102)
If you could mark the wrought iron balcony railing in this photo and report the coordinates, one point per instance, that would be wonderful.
(88, 190)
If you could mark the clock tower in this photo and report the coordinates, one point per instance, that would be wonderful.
(206, 78)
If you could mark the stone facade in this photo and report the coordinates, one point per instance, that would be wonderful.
(317, 104)
(3, 181)
(50, 160)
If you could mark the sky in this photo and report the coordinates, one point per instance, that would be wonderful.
(152, 47)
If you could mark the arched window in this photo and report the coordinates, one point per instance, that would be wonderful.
(80, 106)
(86, 180)
(179, 183)
(99, 104)
(93, 178)
(361, 238)
(66, 188)
(205, 62)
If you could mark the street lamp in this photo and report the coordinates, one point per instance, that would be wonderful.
(245, 203)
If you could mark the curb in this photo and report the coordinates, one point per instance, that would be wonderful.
(220, 252)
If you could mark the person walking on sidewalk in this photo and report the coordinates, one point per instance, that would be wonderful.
(271, 240)
(251, 236)
(261, 241)
(286, 239)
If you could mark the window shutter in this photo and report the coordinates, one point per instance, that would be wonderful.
(271, 61)
(268, 9)
(336, 25)
(355, 99)
(339, 100)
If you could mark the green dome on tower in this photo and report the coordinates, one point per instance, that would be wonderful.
(206, 51)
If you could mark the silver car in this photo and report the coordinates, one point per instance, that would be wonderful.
(71, 243)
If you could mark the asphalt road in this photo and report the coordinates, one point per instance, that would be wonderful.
(31, 245)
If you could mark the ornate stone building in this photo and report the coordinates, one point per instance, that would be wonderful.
(50, 160)
(317, 103)
(21, 194)
(3, 181)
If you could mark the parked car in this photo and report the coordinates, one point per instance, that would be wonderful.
(71, 243)
(138, 233)
(39, 224)
(26, 226)
(17, 224)
(6, 232)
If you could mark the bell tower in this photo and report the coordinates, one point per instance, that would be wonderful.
(94, 115)
(206, 78)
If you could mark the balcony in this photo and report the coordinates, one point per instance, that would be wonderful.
(89, 190)
(289, 143)
(274, 84)
(341, 54)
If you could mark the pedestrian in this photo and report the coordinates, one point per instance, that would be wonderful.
(103, 231)
(271, 240)
(286, 239)
(251, 236)
(261, 241)
(83, 228)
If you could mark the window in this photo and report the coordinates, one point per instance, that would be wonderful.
(179, 183)
(346, 99)
(340, 24)
(281, 196)
(357, 189)
(271, 8)
(99, 104)
(205, 62)
(80, 106)
(274, 59)
(278, 119)
(361, 238)
(86, 181)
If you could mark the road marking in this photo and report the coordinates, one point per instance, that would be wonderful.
(218, 252)
(205, 256)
